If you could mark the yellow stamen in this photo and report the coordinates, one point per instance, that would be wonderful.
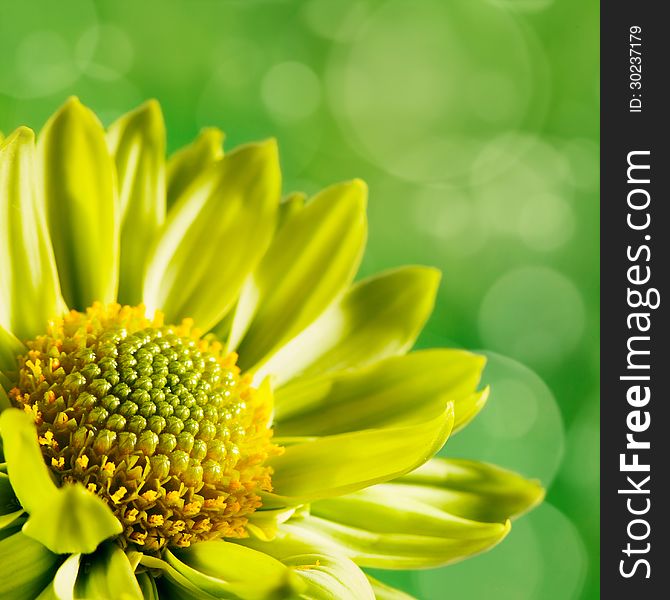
(184, 540)
(131, 515)
(177, 526)
(156, 520)
(218, 502)
(202, 525)
(47, 439)
(119, 494)
(138, 537)
(192, 508)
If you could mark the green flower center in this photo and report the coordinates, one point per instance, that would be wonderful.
(154, 419)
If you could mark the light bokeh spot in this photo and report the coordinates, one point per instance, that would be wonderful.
(291, 91)
(583, 156)
(562, 551)
(534, 314)
(546, 222)
(515, 150)
(514, 411)
(449, 216)
(582, 460)
(105, 52)
(443, 212)
(44, 63)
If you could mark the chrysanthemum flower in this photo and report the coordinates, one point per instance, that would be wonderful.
(197, 402)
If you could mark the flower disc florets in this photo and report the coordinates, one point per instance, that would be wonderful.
(154, 419)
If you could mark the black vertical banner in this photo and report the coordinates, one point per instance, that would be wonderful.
(635, 269)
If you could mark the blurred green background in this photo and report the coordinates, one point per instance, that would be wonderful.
(475, 123)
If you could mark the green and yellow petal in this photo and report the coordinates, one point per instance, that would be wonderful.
(214, 236)
(313, 468)
(82, 209)
(392, 544)
(471, 489)
(64, 581)
(378, 317)
(29, 288)
(401, 389)
(28, 566)
(107, 573)
(185, 165)
(291, 288)
(330, 577)
(221, 569)
(137, 144)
